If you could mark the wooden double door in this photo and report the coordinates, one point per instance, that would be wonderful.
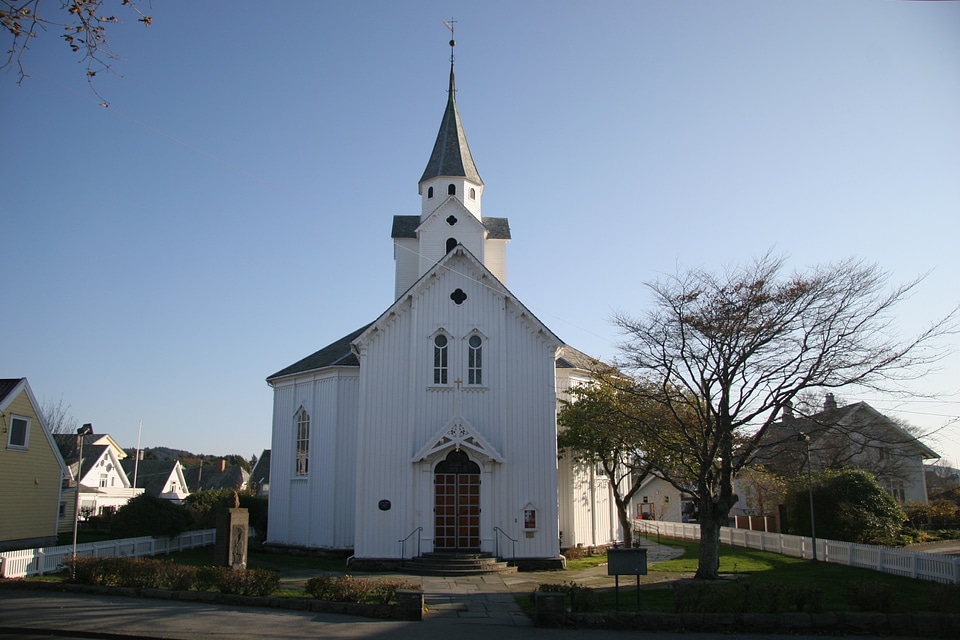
(456, 505)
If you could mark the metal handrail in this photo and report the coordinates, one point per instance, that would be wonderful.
(513, 559)
(403, 544)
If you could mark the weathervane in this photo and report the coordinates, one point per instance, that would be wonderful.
(453, 43)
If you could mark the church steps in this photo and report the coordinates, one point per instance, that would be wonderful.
(456, 564)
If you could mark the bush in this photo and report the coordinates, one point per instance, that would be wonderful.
(582, 598)
(146, 573)
(339, 588)
(147, 515)
(849, 506)
(870, 595)
(745, 597)
(140, 573)
(247, 582)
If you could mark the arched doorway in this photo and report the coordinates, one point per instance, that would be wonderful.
(456, 505)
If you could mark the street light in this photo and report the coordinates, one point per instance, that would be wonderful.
(86, 429)
(813, 527)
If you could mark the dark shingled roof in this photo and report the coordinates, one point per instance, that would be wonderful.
(152, 475)
(67, 443)
(7, 385)
(337, 354)
(261, 471)
(406, 227)
(451, 154)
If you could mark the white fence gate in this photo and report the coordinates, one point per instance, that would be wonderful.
(33, 562)
(911, 564)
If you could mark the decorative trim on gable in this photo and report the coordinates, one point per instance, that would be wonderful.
(459, 434)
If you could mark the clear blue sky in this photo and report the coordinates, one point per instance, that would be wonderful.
(230, 212)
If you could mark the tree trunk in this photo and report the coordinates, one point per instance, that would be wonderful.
(710, 523)
(625, 524)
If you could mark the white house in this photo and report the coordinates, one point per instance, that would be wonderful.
(438, 419)
(160, 478)
(104, 487)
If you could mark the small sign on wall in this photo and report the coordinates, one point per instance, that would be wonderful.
(384, 505)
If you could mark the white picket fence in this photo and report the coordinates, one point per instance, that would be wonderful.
(33, 562)
(911, 564)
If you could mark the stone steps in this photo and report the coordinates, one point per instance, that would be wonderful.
(456, 564)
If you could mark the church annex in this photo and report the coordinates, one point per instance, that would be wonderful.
(436, 422)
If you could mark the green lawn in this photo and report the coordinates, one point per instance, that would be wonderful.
(750, 577)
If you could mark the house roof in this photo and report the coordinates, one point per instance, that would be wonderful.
(261, 471)
(92, 452)
(152, 475)
(406, 227)
(208, 478)
(451, 154)
(7, 385)
(852, 417)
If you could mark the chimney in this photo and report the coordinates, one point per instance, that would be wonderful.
(829, 402)
(787, 411)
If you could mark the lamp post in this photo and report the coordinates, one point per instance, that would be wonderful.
(813, 527)
(81, 432)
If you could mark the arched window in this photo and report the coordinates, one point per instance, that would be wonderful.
(303, 442)
(451, 244)
(475, 360)
(451, 190)
(440, 354)
(430, 192)
(473, 193)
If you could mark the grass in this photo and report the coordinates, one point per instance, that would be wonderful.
(764, 571)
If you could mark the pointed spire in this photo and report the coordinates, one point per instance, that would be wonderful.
(451, 154)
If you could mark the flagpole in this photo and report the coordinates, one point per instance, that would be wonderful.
(136, 461)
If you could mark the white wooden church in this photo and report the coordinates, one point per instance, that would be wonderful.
(437, 422)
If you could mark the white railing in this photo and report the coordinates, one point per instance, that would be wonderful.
(912, 564)
(33, 562)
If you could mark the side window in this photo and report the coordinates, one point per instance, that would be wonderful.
(475, 360)
(473, 194)
(303, 442)
(440, 359)
(452, 190)
(19, 432)
(430, 192)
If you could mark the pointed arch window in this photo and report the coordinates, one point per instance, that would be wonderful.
(430, 192)
(441, 354)
(303, 442)
(475, 360)
(451, 189)
(473, 193)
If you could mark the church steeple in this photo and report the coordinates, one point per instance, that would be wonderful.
(451, 155)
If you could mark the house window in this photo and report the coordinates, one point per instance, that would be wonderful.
(452, 190)
(303, 442)
(103, 480)
(440, 353)
(430, 192)
(19, 432)
(475, 360)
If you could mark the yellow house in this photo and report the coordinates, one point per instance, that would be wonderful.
(31, 471)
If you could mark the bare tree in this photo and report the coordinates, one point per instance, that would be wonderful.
(81, 24)
(56, 416)
(733, 349)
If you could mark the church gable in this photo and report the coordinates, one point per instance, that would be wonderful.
(457, 434)
(451, 293)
